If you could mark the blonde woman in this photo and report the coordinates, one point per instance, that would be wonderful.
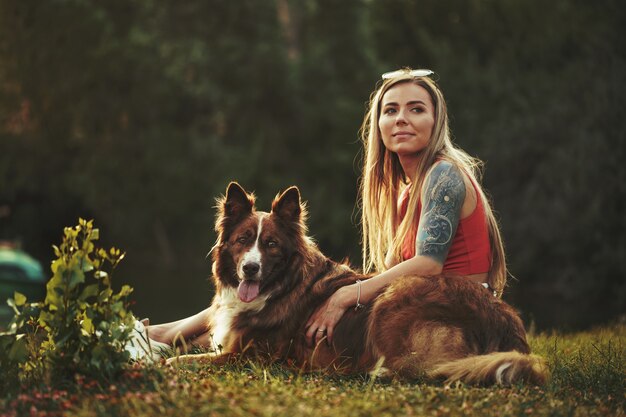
(423, 209)
(424, 212)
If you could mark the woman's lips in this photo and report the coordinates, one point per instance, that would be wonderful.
(401, 135)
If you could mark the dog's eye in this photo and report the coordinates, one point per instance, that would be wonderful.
(242, 239)
(272, 244)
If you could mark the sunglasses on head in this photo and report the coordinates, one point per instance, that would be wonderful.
(412, 73)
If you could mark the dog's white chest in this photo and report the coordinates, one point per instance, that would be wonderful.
(228, 306)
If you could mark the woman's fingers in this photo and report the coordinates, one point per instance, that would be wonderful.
(326, 328)
(310, 334)
(312, 326)
(322, 322)
(332, 322)
(320, 334)
(316, 331)
(312, 319)
(329, 333)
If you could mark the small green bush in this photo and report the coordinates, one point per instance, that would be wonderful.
(81, 327)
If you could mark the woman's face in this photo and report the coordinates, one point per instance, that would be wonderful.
(406, 120)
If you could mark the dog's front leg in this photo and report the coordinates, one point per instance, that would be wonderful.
(204, 358)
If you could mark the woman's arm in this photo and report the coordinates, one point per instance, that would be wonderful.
(322, 322)
(419, 265)
(443, 195)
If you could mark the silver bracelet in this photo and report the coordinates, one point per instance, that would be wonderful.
(358, 296)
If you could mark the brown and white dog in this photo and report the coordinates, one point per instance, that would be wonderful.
(270, 277)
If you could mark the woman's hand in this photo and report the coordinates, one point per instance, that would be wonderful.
(325, 318)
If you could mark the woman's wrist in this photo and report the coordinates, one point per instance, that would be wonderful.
(358, 305)
(347, 296)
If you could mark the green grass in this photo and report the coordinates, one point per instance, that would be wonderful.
(588, 379)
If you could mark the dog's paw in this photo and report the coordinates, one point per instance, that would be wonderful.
(181, 360)
(176, 361)
(381, 373)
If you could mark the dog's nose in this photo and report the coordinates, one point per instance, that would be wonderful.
(251, 268)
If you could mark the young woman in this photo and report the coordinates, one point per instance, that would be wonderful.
(423, 210)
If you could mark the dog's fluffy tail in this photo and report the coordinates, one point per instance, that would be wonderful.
(503, 368)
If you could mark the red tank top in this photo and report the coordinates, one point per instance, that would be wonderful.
(470, 252)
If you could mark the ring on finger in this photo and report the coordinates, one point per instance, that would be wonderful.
(321, 330)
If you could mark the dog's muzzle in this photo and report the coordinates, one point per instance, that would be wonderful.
(250, 269)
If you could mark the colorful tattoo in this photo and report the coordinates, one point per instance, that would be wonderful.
(442, 199)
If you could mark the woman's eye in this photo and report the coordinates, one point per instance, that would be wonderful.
(389, 110)
(417, 110)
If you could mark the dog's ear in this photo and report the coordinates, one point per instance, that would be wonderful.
(237, 202)
(287, 205)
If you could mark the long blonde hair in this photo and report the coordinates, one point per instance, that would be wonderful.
(383, 179)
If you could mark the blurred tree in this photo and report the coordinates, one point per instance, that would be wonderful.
(138, 113)
(332, 78)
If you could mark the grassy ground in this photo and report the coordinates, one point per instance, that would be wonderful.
(588, 379)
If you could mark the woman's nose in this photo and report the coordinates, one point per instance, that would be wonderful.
(400, 118)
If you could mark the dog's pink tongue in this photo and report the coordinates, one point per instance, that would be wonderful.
(248, 290)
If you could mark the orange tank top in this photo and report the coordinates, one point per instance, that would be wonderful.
(470, 252)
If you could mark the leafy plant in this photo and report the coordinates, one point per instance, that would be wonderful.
(81, 327)
(13, 345)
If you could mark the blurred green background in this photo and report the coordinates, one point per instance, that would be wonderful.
(138, 113)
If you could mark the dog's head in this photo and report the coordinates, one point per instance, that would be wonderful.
(254, 249)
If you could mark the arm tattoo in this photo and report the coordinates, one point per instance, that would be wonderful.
(442, 198)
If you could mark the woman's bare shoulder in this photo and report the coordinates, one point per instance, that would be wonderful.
(445, 171)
